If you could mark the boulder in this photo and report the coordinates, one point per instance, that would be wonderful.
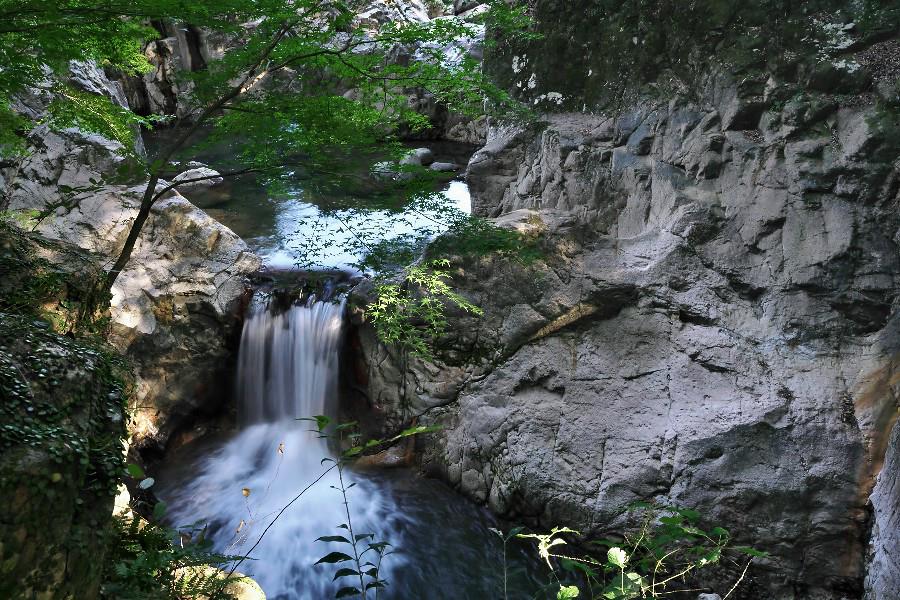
(177, 304)
(420, 156)
(445, 167)
(204, 176)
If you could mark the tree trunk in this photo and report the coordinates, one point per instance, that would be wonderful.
(134, 232)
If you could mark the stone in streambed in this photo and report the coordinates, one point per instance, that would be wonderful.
(420, 156)
(445, 167)
(212, 178)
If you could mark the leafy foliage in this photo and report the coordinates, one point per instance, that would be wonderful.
(145, 564)
(410, 314)
(89, 112)
(650, 562)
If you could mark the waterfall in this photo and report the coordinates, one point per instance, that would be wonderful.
(235, 485)
(287, 369)
(288, 362)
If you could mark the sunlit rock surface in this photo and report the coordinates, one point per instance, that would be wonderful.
(176, 304)
(714, 325)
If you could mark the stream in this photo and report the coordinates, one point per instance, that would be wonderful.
(286, 227)
(235, 485)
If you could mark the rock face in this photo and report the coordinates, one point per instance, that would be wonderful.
(884, 569)
(180, 48)
(55, 470)
(62, 423)
(198, 178)
(175, 306)
(714, 324)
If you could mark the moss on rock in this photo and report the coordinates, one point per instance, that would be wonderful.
(62, 422)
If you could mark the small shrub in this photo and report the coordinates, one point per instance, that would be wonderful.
(666, 550)
(145, 563)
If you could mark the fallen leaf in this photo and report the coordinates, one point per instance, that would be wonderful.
(245, 492)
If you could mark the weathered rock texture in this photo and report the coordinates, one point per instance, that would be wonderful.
(175, 306)
(883, 576)
(714, 325)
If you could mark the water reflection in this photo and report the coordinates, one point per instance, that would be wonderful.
(297, 226)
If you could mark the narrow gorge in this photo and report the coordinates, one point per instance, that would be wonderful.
(546, 299)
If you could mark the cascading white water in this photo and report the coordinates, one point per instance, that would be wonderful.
(236, 486)
(287, 370)
(288, 362)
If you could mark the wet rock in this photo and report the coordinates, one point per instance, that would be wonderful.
(420, 157)
(387, 171)
(206, 178)
(445, 167)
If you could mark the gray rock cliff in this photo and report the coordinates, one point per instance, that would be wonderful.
(714, 325)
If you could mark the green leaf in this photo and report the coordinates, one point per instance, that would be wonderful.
(334, 557)
(689, 514)
(344, 572)
(159, 510)
(333, 538)
(354, 451)
(135, 471)
(321, 421)
(378, 546)
(617, 557)
(567, 593)
(719, 532)
(751, 551)
(346, 592)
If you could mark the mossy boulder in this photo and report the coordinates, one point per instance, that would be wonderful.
(62, 421)
(61, 408)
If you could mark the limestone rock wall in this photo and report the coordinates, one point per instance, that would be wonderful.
(714, 324)
(176, 305)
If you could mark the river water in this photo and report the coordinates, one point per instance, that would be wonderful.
(238, 484)
(305, 222)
